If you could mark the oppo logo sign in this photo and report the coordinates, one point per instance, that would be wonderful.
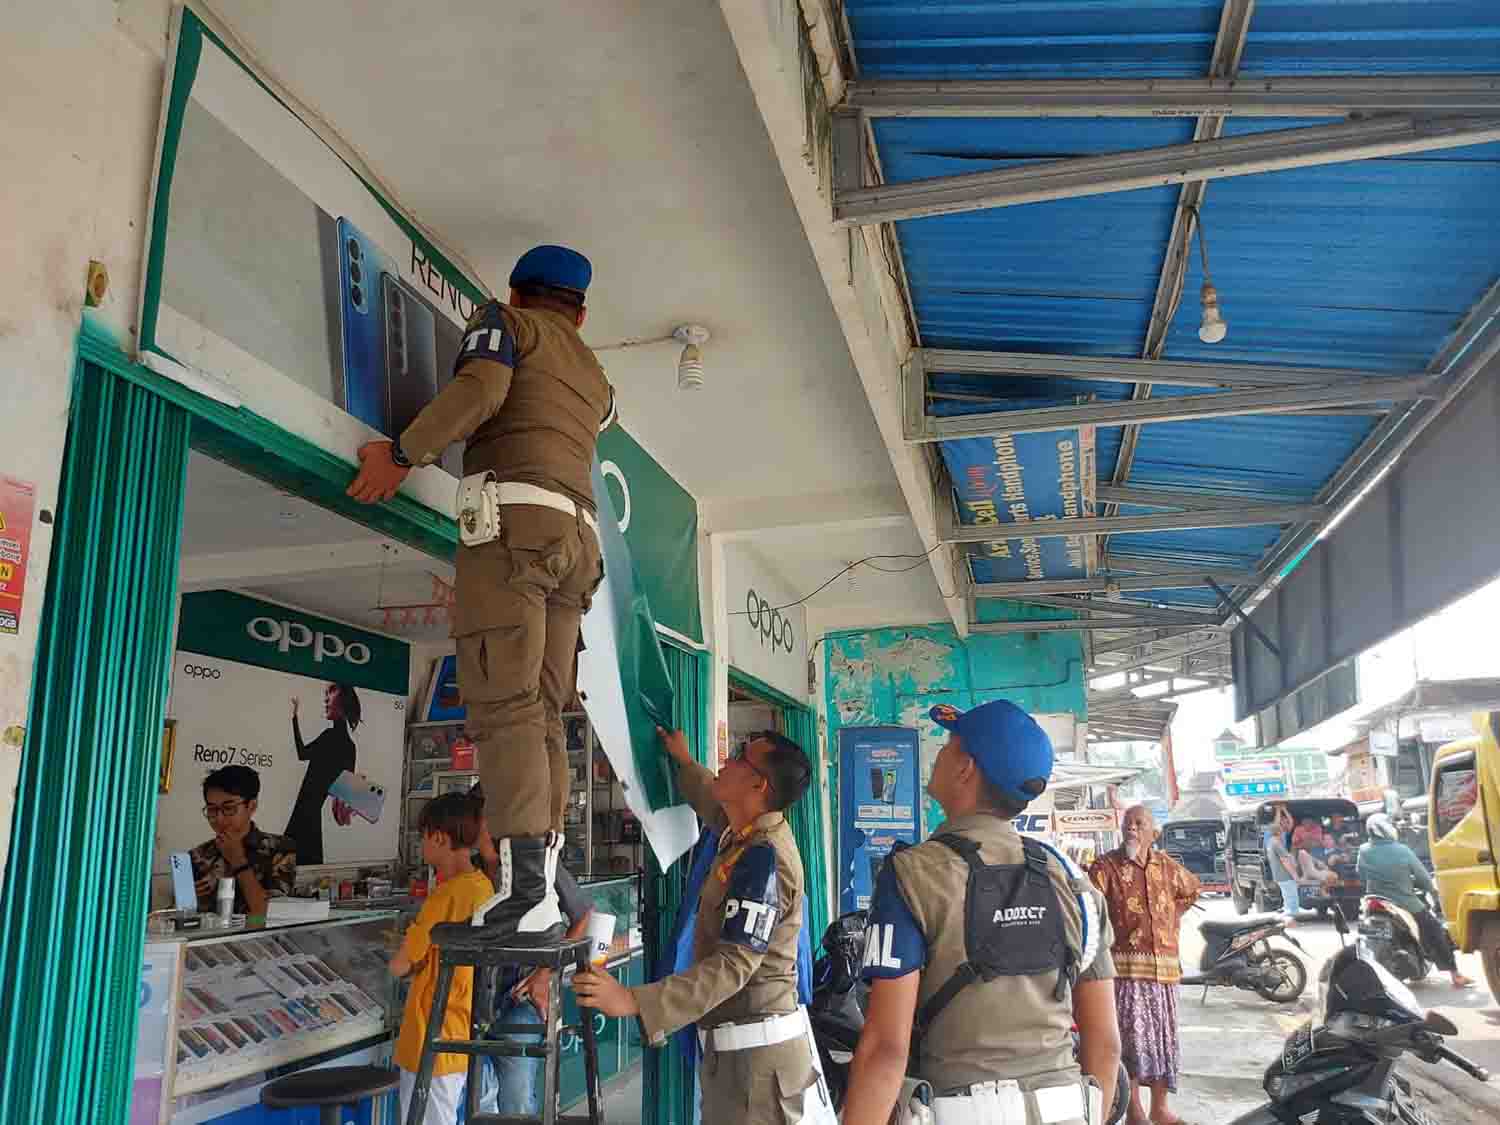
(201, 671)
(287, 635)
(774, 629)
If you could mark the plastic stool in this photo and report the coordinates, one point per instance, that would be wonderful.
(459, 944)
(331, 1088)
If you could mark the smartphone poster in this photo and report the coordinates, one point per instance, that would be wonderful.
(878, 805)
(17, 502)
(276, 266)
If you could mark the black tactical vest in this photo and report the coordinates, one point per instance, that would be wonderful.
(1013, 925)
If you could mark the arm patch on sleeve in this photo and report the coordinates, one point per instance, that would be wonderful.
(894, 942)
(488, 336)
(752, 907)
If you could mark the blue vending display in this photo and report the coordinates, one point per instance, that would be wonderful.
(878, 808)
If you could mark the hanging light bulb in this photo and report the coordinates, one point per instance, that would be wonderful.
(1212, 329)
(690, 363)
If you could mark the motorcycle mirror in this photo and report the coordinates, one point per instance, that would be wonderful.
(1440, 1023)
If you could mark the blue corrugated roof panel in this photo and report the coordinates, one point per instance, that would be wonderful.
(1005, 39)
(1372, 37)
(1365, 265)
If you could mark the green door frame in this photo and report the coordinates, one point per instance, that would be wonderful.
(806, 816)
(73, 905)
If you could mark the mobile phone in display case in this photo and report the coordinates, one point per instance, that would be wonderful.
(362, 264)
(410, 352)
(360, 794)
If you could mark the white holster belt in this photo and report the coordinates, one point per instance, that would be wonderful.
(761, 1033)
(1006, 1103)
(481, 496)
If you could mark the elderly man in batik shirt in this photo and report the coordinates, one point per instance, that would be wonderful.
(1147, 892)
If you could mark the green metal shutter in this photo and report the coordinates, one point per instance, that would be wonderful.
(669, 1086)
(73, 910)
(806, 819)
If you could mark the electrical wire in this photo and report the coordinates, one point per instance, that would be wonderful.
(866, 561)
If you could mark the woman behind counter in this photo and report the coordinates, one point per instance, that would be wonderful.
(327, 756)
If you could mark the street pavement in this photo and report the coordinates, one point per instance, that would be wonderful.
(1229, 1036)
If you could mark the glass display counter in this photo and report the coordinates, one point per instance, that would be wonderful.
(231, 1009)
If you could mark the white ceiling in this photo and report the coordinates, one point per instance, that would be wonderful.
(241, 533)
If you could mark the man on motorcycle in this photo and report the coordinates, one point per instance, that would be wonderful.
(1392, 870)
(983, 948)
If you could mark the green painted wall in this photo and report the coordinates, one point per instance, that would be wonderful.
(894, 676)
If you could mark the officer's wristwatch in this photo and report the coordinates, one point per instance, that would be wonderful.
(398, 457)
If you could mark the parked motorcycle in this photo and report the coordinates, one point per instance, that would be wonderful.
(1393, 938)
(838, 1008)
(1339, 1071)
(1238, 954)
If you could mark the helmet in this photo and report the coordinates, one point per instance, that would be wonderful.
(1380, 827)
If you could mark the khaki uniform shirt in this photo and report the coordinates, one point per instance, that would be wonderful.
(731, 982)
(1012, 1026)
(529, 397)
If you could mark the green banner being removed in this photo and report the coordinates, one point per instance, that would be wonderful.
(231, 626)
(628, 691)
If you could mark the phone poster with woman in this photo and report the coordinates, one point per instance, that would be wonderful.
(315, 707)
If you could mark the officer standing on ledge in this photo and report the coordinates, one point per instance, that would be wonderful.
(530, 400)
(759, 1065)
(983, 948)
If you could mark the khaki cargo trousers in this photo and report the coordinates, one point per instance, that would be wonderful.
(519, 603)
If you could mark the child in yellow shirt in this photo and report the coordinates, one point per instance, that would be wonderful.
(450, 825)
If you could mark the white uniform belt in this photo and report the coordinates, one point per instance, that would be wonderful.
(1005, 1101)
(514, 492)
(762, 1033)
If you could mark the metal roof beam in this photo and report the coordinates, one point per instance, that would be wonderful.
(1178, 373)
(1251, 515)
(1273, 151)
(1134, 645)
(1108, 585)
(1180, 408)
(1118, 609)
(1282, 96)
(1186, 645)
(1167, 498)
(1064, 625)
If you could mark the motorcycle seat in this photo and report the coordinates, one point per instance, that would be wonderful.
(1238, 925)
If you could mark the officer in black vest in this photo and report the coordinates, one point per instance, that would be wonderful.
(983, 948)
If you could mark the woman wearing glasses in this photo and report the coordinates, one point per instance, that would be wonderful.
(262, 865)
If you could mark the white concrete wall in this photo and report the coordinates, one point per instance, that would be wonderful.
(80, 83)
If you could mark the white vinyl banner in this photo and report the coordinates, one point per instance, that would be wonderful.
(237, 714)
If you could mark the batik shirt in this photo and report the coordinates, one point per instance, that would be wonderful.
(272, 858)
(1146, 902)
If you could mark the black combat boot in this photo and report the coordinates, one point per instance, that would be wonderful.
(524, 909)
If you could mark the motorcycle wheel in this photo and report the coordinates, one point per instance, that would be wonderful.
(1291, 977)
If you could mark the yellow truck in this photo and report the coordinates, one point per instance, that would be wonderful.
(1463, 825)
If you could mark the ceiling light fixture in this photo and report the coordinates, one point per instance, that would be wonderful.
(690, 363)
(1212, 328)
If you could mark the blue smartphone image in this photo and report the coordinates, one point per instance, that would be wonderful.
(362, 264)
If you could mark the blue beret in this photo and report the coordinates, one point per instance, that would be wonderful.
(553, 265)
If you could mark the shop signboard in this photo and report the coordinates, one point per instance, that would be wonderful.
(877, 805)
(1384, 744)
(243, 668)
(1086, 820)
(1440, 729)
(1362, 777)
(17, 501)
(1258, 777)
(767, 632)
(1017, 479)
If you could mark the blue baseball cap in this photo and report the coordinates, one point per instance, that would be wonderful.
(553, 265)
(1009, 745)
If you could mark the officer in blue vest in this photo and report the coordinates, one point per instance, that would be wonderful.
(983, 948)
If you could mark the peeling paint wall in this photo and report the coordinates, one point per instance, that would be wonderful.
(895, 676)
